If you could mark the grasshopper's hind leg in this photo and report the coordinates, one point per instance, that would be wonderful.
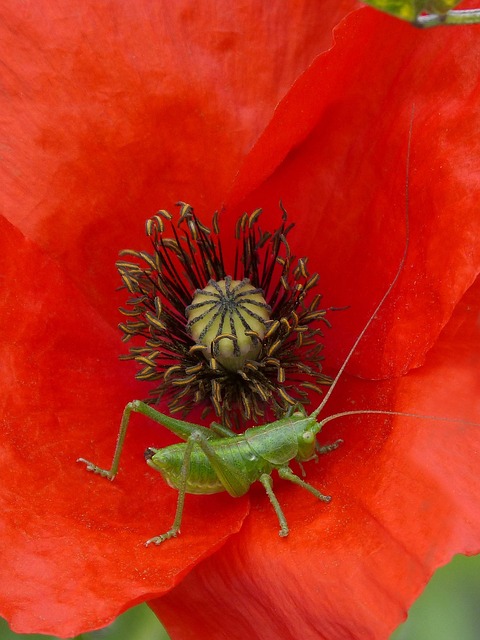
(180, 428)
(112, 472)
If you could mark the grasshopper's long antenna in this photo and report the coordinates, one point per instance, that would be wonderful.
(403, 414)
(315, 413)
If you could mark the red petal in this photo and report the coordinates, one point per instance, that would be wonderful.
(405, 499)
(88, 147)
(344, 175)
(72, 552)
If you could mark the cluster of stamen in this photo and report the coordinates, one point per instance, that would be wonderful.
(242, 339)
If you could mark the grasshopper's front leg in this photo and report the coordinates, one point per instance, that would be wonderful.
(326, 448)
(267, 483)
(287, 474)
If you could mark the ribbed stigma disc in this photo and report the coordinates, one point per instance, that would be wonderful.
(230, 319)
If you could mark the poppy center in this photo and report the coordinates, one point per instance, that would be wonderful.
(230, 319)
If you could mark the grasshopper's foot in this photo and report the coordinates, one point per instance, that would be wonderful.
(105, 473)
(284, 531)
(317, 493)
(329, 447)
(165, 536)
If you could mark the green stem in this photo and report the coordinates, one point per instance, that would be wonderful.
(468, 16)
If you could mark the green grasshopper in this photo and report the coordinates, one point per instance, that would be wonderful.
(427, 13)
(216, 459)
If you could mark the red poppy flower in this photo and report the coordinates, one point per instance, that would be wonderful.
(116, 110)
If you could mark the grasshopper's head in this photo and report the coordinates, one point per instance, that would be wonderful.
(307, 429)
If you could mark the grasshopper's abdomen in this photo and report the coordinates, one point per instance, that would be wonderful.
(201, 477)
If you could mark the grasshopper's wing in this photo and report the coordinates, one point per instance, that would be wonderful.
(232, 478)
(276, 442)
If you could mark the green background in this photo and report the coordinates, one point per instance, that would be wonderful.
(448, 608)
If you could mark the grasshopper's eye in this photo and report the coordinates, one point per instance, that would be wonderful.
(230, 324)
(308, 436)
(230, 318)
